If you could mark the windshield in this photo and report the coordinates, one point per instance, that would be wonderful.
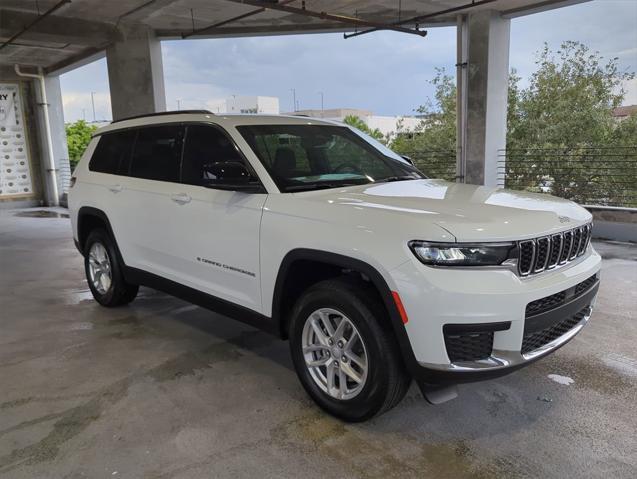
(308, 157)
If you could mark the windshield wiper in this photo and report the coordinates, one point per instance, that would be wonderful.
(394, 178)
(318, 186)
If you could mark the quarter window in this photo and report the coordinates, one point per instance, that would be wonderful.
(112, 152)
(157, 153)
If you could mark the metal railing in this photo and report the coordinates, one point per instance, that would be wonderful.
(435, 163)
(605, 176)
(587, 175)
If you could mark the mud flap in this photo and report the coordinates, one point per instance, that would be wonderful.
(438, 394)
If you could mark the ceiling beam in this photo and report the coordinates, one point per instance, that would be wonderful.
(34, 22)
(421, 18)
(145, 10)
(353, 21)
(214, 26)
(54, 28)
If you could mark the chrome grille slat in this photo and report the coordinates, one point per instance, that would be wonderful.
(547, 252)
(577, 238)
(556, 250)
(543, 246)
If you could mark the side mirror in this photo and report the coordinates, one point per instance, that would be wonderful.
(408, 159)
(230, 175)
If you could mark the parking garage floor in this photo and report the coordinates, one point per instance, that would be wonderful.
(164, 389)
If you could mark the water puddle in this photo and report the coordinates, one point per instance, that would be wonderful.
(41, 214)
(565, 380)
(622, 364)
(77, 296)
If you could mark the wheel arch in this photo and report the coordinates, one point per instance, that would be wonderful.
(304, 257)
(89, 218)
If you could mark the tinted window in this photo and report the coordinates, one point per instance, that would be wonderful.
(157, 153)
(205, 145)
(304, 157)
(112, 152)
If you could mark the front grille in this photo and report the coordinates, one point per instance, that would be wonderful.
(553, 301)
(537, 339)
(468, 345)
(538, 254)
(545, 304)
(584, 285)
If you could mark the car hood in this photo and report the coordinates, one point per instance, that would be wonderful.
(468, 212)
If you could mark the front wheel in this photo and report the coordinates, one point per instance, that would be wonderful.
(344, 351)
(104, 271)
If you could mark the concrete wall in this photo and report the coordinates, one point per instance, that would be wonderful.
(614, 223)
(36, 140)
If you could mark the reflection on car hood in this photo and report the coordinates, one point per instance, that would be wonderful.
(469, 212)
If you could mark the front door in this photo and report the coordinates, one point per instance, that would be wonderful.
(213, 233)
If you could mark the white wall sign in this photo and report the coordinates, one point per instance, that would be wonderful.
(15, 171)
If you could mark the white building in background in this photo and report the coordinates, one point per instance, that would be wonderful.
(388, 125)
(268, 105)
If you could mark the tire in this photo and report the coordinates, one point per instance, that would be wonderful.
(385, 382)
(116, 292)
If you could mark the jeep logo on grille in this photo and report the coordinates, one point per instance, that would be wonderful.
(564, 219)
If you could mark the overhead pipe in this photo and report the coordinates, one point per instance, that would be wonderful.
(47, 129)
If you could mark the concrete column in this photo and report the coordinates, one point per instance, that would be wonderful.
(135, 73)
(484, 95)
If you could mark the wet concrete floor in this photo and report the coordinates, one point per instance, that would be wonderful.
(163, 389)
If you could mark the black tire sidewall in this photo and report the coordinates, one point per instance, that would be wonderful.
(101, 236)
(371, 399)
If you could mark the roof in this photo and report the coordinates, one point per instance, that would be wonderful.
(624, 111)
(222, 120)
(60, 34)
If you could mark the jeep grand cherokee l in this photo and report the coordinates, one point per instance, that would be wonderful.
(317, 233)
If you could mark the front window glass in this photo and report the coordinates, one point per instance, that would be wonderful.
(204, 147)
(307, 157)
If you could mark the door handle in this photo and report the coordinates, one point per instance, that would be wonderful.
(115, 188)
(181, 198)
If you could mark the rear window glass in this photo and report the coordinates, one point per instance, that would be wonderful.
(157, 153)
(112, 152)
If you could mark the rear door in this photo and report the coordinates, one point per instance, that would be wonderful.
(145, 218)
(104, 184)
(213, 240)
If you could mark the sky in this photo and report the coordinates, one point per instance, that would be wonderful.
(385, 72)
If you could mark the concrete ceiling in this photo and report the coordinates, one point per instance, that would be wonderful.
(81, 29)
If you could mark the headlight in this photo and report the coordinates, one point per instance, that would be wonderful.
(459, 254)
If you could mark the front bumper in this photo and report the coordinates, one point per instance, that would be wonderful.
(496, 299)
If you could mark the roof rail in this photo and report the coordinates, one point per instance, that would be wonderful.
(160, 113)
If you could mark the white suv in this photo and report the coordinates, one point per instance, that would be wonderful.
(315, 232)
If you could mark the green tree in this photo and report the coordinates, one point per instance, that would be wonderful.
(356, 122)
(78, 136)
(560, 129)
(561, 126)
(432, 145)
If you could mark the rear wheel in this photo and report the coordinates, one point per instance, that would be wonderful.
(104, 271)
(344, 350)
